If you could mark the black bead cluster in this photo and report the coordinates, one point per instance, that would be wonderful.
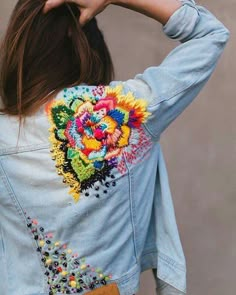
(106, 184)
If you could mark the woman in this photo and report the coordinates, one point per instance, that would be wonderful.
(85, 201)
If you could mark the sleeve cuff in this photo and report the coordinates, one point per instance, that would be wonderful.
(183, 21)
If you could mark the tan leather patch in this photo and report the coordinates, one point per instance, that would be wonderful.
(110, 289)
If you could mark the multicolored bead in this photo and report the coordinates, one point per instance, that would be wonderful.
(66, 272)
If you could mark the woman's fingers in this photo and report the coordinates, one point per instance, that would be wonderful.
(88, 8)
(50, 4)
(85, 16)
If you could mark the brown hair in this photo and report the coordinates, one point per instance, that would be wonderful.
(42, 53)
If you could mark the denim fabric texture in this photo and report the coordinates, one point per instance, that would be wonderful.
(122, 224)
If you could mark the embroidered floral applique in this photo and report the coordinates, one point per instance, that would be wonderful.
(66, 273)
(91, 133)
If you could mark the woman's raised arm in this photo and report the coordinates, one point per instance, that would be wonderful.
(160, 10)
(171, 86)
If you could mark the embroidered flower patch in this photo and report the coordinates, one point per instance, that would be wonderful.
(66, 273)
(91, 133)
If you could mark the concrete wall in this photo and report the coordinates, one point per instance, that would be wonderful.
(200, 147)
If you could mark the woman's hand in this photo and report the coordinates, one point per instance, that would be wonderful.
(88, 8)
(160, 10)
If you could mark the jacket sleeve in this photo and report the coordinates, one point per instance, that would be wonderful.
(170, 87)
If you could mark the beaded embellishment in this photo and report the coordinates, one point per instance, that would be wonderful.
(92, 131)
(66, 272)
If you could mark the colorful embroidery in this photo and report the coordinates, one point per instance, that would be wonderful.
(91, 133)
(66, 272)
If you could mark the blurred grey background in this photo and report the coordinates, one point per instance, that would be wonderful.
(199, 147)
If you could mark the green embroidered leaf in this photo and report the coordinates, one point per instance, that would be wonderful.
(61, 134)
(61, 114)
(83, 171)
(71, 153)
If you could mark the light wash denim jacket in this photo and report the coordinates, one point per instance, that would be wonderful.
(84, 195)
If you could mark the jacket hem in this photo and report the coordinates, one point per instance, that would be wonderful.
(167, 270)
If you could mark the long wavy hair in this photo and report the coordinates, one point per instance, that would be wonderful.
(42, 53)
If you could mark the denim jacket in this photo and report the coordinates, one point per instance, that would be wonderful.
(84, 195)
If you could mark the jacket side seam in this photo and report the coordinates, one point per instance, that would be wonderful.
(132, 207)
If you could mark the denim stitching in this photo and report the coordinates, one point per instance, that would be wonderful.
(17, 206)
